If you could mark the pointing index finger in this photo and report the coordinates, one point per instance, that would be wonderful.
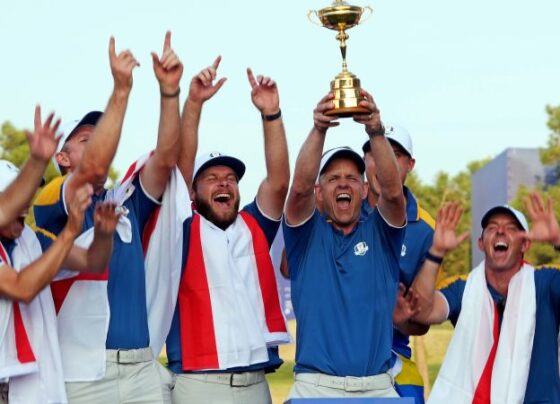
(251, 78)
(112, 53)
(167, 41)
(217, 62)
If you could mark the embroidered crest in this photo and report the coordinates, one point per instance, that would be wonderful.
(361, 248)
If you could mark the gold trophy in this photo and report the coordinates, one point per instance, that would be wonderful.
(340, 16)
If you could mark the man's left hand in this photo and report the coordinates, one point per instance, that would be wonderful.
(168, 68)
(264, 93)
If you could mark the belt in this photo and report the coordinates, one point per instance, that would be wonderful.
(129, 355)
(243, 379)
(349, 383)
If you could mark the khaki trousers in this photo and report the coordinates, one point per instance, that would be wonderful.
(221, 388)
(130, 377)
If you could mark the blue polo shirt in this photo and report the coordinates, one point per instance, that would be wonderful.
(126, 288)
(543, 385)
(343, 292)
(417, 241)
(173, 343)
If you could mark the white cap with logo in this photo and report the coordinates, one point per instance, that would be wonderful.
(395, 134)
(519, 217)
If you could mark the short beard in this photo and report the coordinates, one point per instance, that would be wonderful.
(205, 210)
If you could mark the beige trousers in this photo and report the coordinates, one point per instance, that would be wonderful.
(222, 388)
(137, 382)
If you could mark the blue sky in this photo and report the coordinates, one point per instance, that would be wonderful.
(468, 79)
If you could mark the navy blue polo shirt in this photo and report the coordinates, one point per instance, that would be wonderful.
(417, 241)
(543, 385)
(343, 292)
(126, 288)
(173, 343)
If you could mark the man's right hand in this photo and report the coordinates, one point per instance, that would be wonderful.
(322, 122)
(121, 67)
(202, 87)
(445, 236)
(77, 208)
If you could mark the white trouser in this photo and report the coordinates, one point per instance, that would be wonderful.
(319, 385)
(221, 388)
(131, 376)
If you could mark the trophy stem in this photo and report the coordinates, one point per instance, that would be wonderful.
(342, 36)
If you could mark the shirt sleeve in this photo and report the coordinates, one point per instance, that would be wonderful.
(554, 285)
(49, 208)
(453, 293)
(268, 225)
(296, 241)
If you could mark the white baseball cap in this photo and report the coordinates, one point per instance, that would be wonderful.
(519, 217)
(8, 173)
(344, 152)
(215, 158)
(395, 134)
(67, 129)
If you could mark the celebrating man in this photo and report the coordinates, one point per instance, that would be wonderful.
(344, 271)
(505, 345)
(115, 360)
(228, 319)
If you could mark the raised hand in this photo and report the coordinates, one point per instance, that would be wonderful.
(168, 69)
(371, 120)
(544, 224)
(105, 219)
(264, 93)
(121, 66)
(407, 305)
(445, 236)
(77, 208)
(44, 140)
(321, 121)
(202, 86)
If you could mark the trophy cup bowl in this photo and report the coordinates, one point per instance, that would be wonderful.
(339, 17)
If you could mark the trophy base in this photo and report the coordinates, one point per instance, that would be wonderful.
(347, 96)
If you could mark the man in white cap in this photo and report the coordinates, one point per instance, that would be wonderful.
(116, 358)
(29, 351)
(42, 145)
(506, 314)
(228, 319)
(344, 267)
(417, 242)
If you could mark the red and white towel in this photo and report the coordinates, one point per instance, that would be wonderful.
(228, 299)
(82, 303)
(29, 351)
(472, 348)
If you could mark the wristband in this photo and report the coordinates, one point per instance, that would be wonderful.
(434, 258)
(172, 95)
(272, 117)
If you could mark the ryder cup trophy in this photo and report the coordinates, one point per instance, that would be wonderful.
(340, 16)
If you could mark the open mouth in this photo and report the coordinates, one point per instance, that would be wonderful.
(223, 199)
(343, 200)
(501, 247)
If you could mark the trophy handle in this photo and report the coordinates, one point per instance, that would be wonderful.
(314, 12)
(368, 15)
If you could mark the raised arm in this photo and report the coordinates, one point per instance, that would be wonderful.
(42, 145)
(433, 309)
(301, 198)
(28, 282)
(201, 89)
(96, 258)
(168, 70)
(273, 189)
(102, 146)
(391, 203)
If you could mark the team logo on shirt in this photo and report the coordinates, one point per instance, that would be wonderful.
(403, 250)
(361, 248)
